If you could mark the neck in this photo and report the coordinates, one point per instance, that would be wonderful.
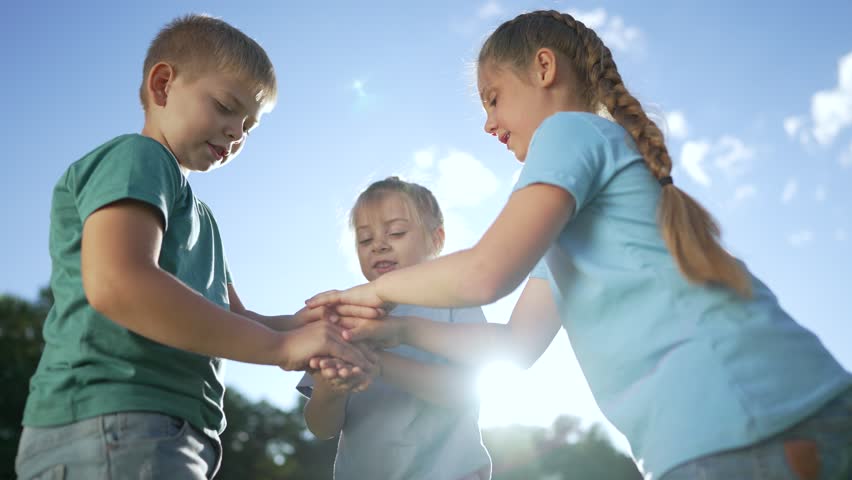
(149, 130)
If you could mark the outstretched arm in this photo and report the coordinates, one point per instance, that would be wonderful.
(532, 326)
(301, 318)
(123, 281)
(448, 385)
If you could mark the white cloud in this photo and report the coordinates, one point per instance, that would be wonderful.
(676, 122)
(790, 190)
(490, 10)
(733, 156)
(744, 192)
(424, 159)
(463, 181)
(358, 87)
(846, 157)
(794, 126)
(729, 154)
(611, 29)
(820, 193)
(831, 110)
(801, 238)
(692, 157)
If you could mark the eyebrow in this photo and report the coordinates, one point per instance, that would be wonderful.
(400, 219)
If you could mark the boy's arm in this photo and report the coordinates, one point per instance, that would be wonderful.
(325, 411)
(123, 281)
(289, 322)
(447, 385)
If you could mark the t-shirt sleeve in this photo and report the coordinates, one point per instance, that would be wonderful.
(540, 269)
(137, 168)
(467, 315)
(306, 385)
(567, 151)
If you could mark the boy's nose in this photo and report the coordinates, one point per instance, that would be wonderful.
(234, 131)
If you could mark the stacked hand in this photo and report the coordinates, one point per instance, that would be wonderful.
(322, 349)
(360, 314)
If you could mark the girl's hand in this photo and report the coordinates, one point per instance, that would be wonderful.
(307, 315)
(342, 376)
(364, 295)
(381, 333)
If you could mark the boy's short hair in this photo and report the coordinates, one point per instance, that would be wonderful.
(196, 44)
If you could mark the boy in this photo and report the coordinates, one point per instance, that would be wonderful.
(130, 381)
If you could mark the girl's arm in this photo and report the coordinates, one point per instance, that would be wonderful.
(123, 281)
(496, 265)
(447, 385)
(532, 326)
(299, 319)
(325, 411)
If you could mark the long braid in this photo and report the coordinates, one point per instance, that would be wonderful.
(690, 232)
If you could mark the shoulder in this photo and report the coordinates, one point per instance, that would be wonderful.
(580, 135)
(590, 126)
(129, 152)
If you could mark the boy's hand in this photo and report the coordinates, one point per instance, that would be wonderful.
(319, 339)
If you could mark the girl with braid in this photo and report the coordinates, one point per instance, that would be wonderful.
(686, 352)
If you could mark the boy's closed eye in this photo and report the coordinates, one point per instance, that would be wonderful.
(222, 107)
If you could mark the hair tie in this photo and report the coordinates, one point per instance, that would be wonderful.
(667, 180)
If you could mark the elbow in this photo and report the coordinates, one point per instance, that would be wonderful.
(103, 292)
(320, 434)
(525, 360)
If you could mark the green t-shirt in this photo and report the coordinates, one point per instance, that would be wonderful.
(91, 365)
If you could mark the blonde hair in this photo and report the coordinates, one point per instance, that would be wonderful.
(195, 44)
(425, 208)
(690, 232)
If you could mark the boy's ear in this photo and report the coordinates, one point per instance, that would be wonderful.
(159, 80)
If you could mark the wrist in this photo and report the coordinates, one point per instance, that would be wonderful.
(282, 351)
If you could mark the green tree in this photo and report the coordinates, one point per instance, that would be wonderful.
(564, 451)
(20, 349)
(264, 442)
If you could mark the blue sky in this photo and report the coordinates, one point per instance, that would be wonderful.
(757, 98)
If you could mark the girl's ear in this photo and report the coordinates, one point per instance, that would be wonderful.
(438, 240)
(544, 67)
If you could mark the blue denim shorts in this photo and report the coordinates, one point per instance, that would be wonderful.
(818, 448)
(131, 445)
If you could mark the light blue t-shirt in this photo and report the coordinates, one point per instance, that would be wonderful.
(390, 434)
(682, 370)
